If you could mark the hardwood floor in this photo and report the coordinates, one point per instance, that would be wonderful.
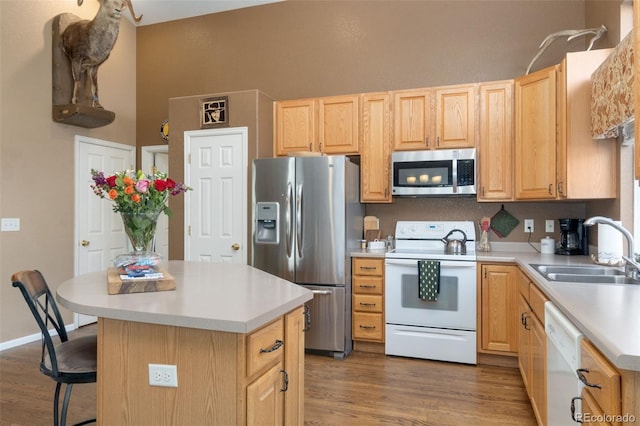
(364, 389)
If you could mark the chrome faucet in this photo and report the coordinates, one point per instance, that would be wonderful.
(631, 267)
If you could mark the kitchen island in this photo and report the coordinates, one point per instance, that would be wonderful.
(233, 332)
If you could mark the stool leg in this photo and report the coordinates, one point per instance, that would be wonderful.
(56, 399)
(65, 404)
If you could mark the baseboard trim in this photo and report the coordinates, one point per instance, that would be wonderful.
(30, 338)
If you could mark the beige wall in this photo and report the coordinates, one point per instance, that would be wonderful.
(298, 49)
(37, 154)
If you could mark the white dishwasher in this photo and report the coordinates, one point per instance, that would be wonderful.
(563, 359)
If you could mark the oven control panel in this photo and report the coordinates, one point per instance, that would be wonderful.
(433, 230)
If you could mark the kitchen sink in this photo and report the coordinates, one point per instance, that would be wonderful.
(584, 274)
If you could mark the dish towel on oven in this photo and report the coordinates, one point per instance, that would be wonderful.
(428, 280)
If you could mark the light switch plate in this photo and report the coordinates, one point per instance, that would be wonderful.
(9, 224)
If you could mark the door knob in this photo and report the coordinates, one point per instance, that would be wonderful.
(235, 246)
(85, 243)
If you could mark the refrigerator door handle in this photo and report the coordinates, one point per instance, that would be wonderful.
(287, 218)
(299, 219)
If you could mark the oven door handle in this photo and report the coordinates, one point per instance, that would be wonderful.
(443, 263)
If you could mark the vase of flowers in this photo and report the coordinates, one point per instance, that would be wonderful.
(140, 199)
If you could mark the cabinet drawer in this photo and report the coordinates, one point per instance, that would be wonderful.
(265, 347)
(367, 303)
(598, 371)
(591, 412)
(367, 326)
(367, 285)
(366, 266)
(537, 300)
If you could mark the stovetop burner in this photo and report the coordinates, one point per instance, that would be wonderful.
(423, 240)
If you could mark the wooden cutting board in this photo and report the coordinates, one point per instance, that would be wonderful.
(371, 223)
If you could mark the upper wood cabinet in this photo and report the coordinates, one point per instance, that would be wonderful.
(585, 167)
(329, 125)
(455, 117)
(535, 135)
(295, 126)
(555, 155)
(435, 118)
(338, 123)
(412, 110)
(495, 150)
(375, 148)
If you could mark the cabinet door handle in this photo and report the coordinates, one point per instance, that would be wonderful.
(368, 268)
(367, 304)
(367, 286)
(368, 327)
(523, 320)
(573, 409)
(584, 380)
(286, 381)
(277, 345)
(426, 141)
(550, 189)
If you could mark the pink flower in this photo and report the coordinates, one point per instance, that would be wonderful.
(142, 186)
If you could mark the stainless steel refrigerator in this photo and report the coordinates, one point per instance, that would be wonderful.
(307, 218)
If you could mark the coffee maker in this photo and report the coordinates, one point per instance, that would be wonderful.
(573, 237)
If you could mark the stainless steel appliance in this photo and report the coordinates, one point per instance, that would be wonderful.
(573, 237)
(442, 329)
(434, 172)
(563, 359)
(307, 217)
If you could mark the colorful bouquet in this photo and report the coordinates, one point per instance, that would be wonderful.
(136, 192)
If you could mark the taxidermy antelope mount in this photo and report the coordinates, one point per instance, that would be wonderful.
(89, 43)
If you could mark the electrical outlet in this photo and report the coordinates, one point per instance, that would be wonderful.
(163, 375)
(548, 225)
(528, 225)
(8, 224)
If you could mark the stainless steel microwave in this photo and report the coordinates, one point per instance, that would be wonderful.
(439, 172)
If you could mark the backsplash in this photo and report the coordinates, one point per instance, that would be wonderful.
(469, 209)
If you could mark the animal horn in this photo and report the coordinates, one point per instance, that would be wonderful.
(133, 13)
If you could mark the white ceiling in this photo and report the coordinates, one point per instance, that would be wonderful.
(156, 11)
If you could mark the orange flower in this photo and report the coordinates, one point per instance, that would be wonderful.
(128, 190)
(113, 194)
(135, 198)
(127, 180)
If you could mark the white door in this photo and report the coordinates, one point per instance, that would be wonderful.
(216, 209)
(158, 156)
(99, 232)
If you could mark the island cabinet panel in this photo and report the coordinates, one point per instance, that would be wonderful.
(223, 378)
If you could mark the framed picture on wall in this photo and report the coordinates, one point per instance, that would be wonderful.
(214, 112)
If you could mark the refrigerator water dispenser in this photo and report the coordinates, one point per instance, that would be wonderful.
(267, 225)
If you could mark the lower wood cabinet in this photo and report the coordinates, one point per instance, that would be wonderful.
(368, 299)
(532, 345)
(601, 396)
(497, 297)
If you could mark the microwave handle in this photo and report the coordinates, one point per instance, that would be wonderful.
(443, 263)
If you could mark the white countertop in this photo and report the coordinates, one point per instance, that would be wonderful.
(607, 314)
(211, 296)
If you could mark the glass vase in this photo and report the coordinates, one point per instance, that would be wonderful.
(141, 230)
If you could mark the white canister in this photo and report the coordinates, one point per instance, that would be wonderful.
(547, 245)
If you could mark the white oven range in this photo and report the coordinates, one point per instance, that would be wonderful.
(442, 329)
